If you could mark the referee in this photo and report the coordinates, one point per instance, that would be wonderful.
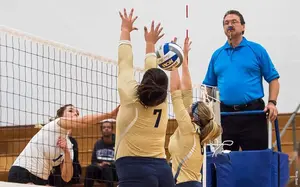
(237, 69)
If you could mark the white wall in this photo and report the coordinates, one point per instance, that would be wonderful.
(94, 26)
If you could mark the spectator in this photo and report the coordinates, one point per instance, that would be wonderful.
(237, 69)
(102, 168)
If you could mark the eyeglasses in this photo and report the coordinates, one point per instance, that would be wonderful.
(233, 22)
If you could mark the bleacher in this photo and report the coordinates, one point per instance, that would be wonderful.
(14, 139)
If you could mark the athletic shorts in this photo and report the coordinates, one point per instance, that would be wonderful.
(189, 184)
(21, 175)
(143, 171)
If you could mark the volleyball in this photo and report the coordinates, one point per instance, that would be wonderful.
(170, 56)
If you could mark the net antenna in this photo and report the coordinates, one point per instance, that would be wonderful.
(210, 95)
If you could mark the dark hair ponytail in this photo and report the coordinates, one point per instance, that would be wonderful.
(153, 89)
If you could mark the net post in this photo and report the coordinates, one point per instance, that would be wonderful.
(217, 111)
(269, 134)
(215, 98)
(204, 167)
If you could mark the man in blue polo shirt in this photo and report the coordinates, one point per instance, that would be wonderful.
(238, 69)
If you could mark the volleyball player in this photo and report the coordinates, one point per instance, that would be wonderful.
(49, 148)
(143, 117)
(196, 126)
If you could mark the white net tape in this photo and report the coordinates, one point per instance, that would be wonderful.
(21, 50)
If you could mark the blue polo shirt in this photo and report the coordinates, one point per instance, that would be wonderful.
(238, 72)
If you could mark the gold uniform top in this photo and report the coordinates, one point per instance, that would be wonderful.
(184, 145)
(140, 131)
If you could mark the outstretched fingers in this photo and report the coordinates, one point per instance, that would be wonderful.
(157, 27)
(131, 13)
(125, 13)
(160, 36)
(174, 40)
(128, 20)
(121, 15)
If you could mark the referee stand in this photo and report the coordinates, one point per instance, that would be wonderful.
(257, 168)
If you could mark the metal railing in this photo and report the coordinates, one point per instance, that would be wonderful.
(254, 112)
(292, 121)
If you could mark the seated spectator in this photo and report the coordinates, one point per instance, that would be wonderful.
(102, 168)
(55, 176)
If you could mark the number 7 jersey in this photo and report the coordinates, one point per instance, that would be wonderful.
(140, 131)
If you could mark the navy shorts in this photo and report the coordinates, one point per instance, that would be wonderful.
(146, 172)
(189, 184)
(18, 174)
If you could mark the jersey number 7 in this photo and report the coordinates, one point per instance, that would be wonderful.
(158, 116)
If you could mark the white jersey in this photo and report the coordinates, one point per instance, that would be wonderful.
(42, 152)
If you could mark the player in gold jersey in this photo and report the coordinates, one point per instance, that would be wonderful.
(143, 117)
(196, 126)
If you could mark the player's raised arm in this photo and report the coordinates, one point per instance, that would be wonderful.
(186, 82)
(83, 122)
(126, 81)
(152, 35)
(174, 81)
(181, 114)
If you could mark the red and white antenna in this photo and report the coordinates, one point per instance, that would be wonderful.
(187, 16)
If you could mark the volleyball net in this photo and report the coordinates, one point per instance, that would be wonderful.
(38, 76)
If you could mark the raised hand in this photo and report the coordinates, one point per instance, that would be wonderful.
(187, 46)
(154, 34)
(127, 21)
(62, 143)
(174, 40)
(186, 82)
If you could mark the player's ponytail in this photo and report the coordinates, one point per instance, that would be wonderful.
(153, 88)
(204, 118)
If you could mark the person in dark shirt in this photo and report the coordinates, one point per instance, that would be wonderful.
(102, 168)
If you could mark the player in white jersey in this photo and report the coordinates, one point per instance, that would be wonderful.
(49, 147)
